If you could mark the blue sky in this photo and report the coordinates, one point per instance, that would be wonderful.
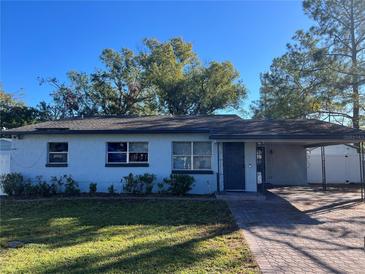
(49, 38)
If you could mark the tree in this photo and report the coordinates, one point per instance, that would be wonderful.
(47, 111)
(297, 83)
(117, 88)
(184, 85)
(329, 59)
(341, 25)
(71, 99)
(166, 78)
(121, 88)
(13, 112)
(216, 87)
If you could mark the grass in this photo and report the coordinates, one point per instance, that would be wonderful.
(116, 236)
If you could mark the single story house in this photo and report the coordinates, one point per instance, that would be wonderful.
(222, 152)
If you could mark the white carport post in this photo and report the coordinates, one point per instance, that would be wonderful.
(323, 160)
(362, 170)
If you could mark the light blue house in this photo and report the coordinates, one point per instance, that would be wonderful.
(222, 152)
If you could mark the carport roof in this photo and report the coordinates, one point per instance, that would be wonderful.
(288, 129)
(218, 126)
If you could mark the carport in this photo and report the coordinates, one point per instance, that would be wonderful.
(361, 149)
(279, 146)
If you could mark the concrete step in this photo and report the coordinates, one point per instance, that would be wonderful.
(240, 196)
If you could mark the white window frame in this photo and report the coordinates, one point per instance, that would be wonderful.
(126, 152)
(61, 152)
(192, 155)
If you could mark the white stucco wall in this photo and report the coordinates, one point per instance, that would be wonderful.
(5, 144)
(4, 162)
(86, 159)
(250, 167)
(286, 164)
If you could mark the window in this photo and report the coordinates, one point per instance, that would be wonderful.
(127, 152)
(57, 153)
(191, 155)
(138, 152)
(117, 152)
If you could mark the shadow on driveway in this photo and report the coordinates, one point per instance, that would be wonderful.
(301, 230)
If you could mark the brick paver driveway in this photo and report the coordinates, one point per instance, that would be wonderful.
(302, 230)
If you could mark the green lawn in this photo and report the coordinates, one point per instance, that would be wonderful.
(92, 236)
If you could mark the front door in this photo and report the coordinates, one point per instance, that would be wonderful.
(234, 166)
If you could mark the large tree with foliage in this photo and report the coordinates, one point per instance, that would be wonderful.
(298, 83)
(14, 113)
(331, 55)
(165, 78)
(121, 88)
(117, 88)
(184, 85)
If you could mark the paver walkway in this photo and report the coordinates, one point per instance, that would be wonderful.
(297, 230)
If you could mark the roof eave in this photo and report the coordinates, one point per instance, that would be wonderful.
(347, 137)
(72, 132)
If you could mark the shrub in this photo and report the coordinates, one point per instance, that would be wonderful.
(92, 188)
(132, 184)
(161, 187)
(139, 184)
(57, 184)
(12, 184)
(42, 188)
(71, 186)
(179, 184)
(147, 180)
(30, 189)
(111, 189)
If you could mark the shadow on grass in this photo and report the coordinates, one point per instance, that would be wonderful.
(70, 224)
(63, 223)
(156, 257)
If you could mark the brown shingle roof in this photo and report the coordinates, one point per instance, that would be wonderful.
(218, 126)
(287, 129)
(145, 124)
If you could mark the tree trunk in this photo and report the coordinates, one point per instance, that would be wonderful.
(354, 70)
(356, 107)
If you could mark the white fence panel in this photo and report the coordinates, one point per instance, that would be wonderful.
(342, 165)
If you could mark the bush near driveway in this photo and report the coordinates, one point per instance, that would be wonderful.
(92, 236)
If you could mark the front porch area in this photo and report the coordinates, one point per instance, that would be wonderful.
(246, 166)
(251, 166)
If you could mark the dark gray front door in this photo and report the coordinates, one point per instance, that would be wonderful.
(234, 166)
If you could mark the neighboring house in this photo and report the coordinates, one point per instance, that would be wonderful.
(5, 148)
(342, 164)
(222, 152)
